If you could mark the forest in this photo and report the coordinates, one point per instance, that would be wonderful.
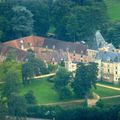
(69, 20)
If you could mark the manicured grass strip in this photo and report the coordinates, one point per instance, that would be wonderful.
(112, 101)
(109, 87)
(43, 90)
(109, 84)
(103, 92)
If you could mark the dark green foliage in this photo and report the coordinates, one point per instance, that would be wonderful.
(100, 104)
(64, 93)
(113, 34)
(85, 78)
(27, 72)
(3, 110)
(22, 21)
(52, 68)
(78, 22)
(11, 84)
(40, 10)
(60, 12)
(30, 98)
(62, 63)
(32, 67)
(47, 112)
(39, 67)
(73, 20)
(76, 113)
(17, 106)
(62, 78)
(88, 114)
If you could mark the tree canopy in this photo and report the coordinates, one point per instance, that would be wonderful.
(85, 78)
(72, 20)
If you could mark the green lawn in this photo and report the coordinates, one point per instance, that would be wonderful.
(113, 101)
(113, 9)
(45, 93)
(43, 90)
(103, 92)
(109, 84)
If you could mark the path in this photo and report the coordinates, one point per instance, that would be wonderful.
(2, 82)
(44, 76)
(63, 103)
(110, 87)
(92, 102)
(110, 97)
(40, 76)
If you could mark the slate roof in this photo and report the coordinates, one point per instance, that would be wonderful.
(50, 55)
(70, 46)
(99, 42)
(108, 56)
(59, 48)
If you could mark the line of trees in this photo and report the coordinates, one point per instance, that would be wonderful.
(81, 85)
(71, 19)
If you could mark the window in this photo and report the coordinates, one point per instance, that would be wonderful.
(108, 70)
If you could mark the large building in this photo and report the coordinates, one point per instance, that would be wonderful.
(49, 50)
(53, 51)
(109, 66)
(108, 59)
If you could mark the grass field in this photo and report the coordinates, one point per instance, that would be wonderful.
(45, 93)
(109, 84)
(113, 7)
(43, 90)
(113, 101)
(103, 92)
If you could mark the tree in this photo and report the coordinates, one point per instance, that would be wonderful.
(85, 78)
(32, 67)
(30, 98)
(62, 78)
(40, 10)
(62, 63)
(22, 21)
(112, 34)
(5, 21)
(11, 85)
(78, 21)
(3, 110)
(64, 93)
(52, 68)
(10, 66)
(39, 67)
(60, 12)
(27, 72)
(3, 28)
(17, 107)
(72, 26)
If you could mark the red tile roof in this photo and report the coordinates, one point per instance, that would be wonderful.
(34, 40)
(40, 43)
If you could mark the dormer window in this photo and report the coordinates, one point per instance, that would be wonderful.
(67, 49)
(53, 47)
(46, 46)
(30, 44)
